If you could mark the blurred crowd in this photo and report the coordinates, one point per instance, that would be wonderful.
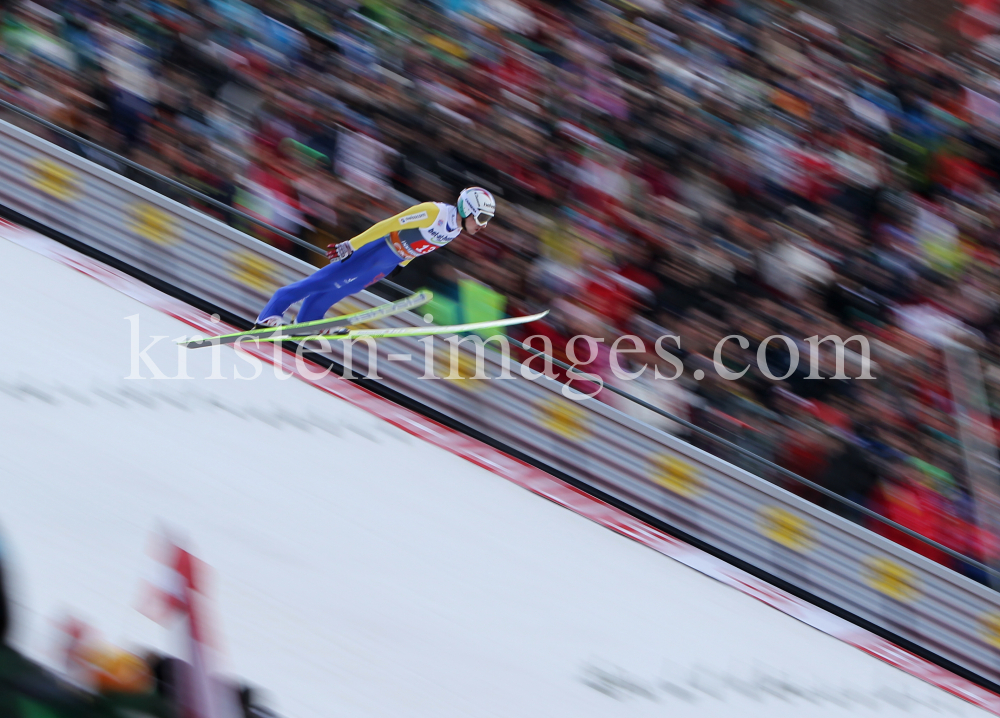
(661, 166)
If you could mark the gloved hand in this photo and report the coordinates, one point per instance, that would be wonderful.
(339, 251)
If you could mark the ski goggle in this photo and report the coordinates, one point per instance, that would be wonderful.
(482, 218)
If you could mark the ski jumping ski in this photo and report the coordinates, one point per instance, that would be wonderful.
(315, 328)
(347, 333)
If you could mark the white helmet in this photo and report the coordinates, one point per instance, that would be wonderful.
(479, 203)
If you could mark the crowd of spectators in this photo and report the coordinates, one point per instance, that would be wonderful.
(699, 168)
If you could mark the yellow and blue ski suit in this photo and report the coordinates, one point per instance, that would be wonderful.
(377, 251)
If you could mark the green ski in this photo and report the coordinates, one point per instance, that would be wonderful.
(346, 333)
(307, 329)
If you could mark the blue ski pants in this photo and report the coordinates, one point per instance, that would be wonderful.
(327, 286)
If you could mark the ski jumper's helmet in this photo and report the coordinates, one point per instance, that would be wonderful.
(477, 202)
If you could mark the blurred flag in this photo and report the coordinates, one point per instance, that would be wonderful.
(173, 596)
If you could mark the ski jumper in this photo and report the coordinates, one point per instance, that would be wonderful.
(377, 251)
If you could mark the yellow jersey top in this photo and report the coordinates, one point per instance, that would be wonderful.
(415, 231)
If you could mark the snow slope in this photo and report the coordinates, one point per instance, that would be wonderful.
(360, 571)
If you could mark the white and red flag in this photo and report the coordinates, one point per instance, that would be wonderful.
(174, 598)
